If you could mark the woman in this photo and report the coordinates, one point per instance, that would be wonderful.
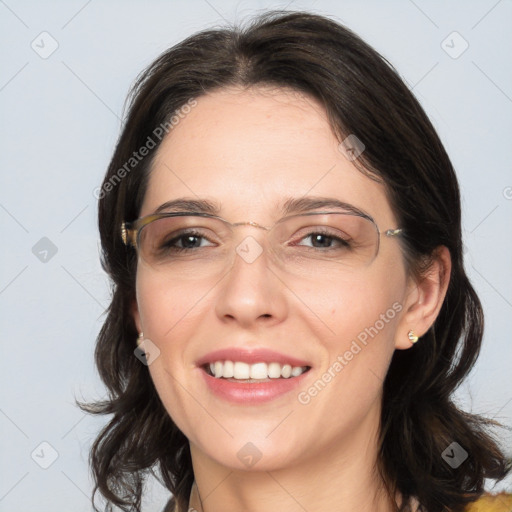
(290, 314)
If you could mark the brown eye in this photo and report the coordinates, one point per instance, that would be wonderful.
(188, 240)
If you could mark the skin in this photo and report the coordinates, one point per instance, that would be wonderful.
(249, 150)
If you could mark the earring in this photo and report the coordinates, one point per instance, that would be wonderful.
(140, 339)
(412, 337)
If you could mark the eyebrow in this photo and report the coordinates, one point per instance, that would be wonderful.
(309, 203)
(290, 206)
(184, 204)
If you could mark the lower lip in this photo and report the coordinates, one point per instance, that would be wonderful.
(254, 392)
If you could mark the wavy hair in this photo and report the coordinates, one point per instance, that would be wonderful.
(362, 94)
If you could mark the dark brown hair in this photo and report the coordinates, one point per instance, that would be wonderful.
(362, 94)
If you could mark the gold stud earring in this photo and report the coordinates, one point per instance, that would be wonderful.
(140, 339)
(412, 337)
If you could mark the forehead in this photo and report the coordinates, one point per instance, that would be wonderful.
(250, 150)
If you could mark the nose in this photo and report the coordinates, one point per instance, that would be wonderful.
(252, 293)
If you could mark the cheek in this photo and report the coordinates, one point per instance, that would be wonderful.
(360, 319)
(169, 309)
(357, 347)
(171, 312)
(351, 307)
(168, 313)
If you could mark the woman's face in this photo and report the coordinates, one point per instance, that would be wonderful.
(249, 152)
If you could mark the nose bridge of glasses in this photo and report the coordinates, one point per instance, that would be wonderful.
(250, 223)
(248, 245)
(245, 231)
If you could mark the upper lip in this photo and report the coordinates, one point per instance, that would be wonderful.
(250, 356)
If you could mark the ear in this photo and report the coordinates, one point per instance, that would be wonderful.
(424, 298)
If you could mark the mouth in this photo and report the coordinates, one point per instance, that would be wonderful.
(250, 376)
(242, 372)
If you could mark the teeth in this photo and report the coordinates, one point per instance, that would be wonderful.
(228, 370)
(274, 370)
(296, 371)
(286, 371)
(257, 371)
(241, 370)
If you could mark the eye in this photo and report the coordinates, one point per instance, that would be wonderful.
(325, 239)
(185, 241)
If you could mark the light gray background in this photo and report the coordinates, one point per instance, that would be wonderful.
(60, 119)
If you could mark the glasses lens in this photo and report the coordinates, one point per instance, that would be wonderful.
(326, 241)
(184, 243)
(302, 244)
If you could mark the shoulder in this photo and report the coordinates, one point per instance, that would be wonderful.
(501, 502)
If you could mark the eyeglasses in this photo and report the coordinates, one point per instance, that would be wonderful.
(191, 244)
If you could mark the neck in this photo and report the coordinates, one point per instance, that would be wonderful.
(344, 479)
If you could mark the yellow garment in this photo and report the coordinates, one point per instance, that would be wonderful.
(492, 503)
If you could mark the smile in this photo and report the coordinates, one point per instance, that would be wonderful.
(257, 372)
